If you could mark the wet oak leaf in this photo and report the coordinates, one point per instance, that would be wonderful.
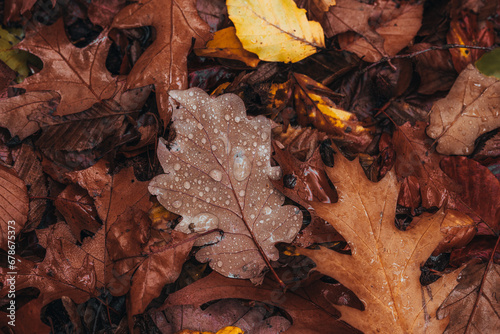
(384, 268)
(217, 174)
(164, 63)
(469, 312)
(14, 206)
(275, 30)
(79, 76)
(373, 31)
(469, 110)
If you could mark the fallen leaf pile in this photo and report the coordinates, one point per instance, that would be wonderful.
(249, 166)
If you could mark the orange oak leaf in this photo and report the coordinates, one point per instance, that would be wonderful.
(79, 76)
(217, 177)
(164, 63)
(384, 268)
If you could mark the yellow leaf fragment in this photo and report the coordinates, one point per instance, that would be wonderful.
(227, 45)
(275, 30)
(314, 106)
(225, 330)
(16, 59)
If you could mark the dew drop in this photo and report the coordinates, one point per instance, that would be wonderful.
(177, 204)
(200, 194)
(177, 166)
(190, 136)
(267, 210)
(191, 93)
(242, 193)
(187, 185)
(215, 174)
(214, 148)
(252, 216)
(264, 135)
(237, 119)
(203, 140)
(241, 166)
(200, 126)
(227, 117)
(205, 221)
(227, 202)
(195, 107)
(207, 189)
(219, 264)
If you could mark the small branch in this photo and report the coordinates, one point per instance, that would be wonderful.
(432, 48)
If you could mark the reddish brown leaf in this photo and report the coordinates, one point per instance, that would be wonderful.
(164, 63)
(311, 312)
(102, 12)
(14, 206)
(14, 8)
(83, 85)
(29, 168)
(479, 191)
(75, 204)
(467, 31)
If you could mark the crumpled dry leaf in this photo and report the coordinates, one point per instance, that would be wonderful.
(314, 105)
(275, 30)
(386, 27)
(469, 110)
(249, 318)
(469, 312)
(14, 204)
(311, 308)
(164, 63)
(83, 71)
(384, 268)
(227, 45)
(217, 177)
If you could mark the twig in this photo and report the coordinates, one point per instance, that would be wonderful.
(432, 48)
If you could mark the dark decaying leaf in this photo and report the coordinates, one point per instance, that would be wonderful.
(310, 308)
(217, 177)
(234, 312)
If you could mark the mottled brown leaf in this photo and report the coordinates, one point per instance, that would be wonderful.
(217, 177)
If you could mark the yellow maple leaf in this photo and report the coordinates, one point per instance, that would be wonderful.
(275, 30)
(16, 59)
(227, 45)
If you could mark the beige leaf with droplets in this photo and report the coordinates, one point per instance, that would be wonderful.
(469, 110)
(384, 268)
(217, 176)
